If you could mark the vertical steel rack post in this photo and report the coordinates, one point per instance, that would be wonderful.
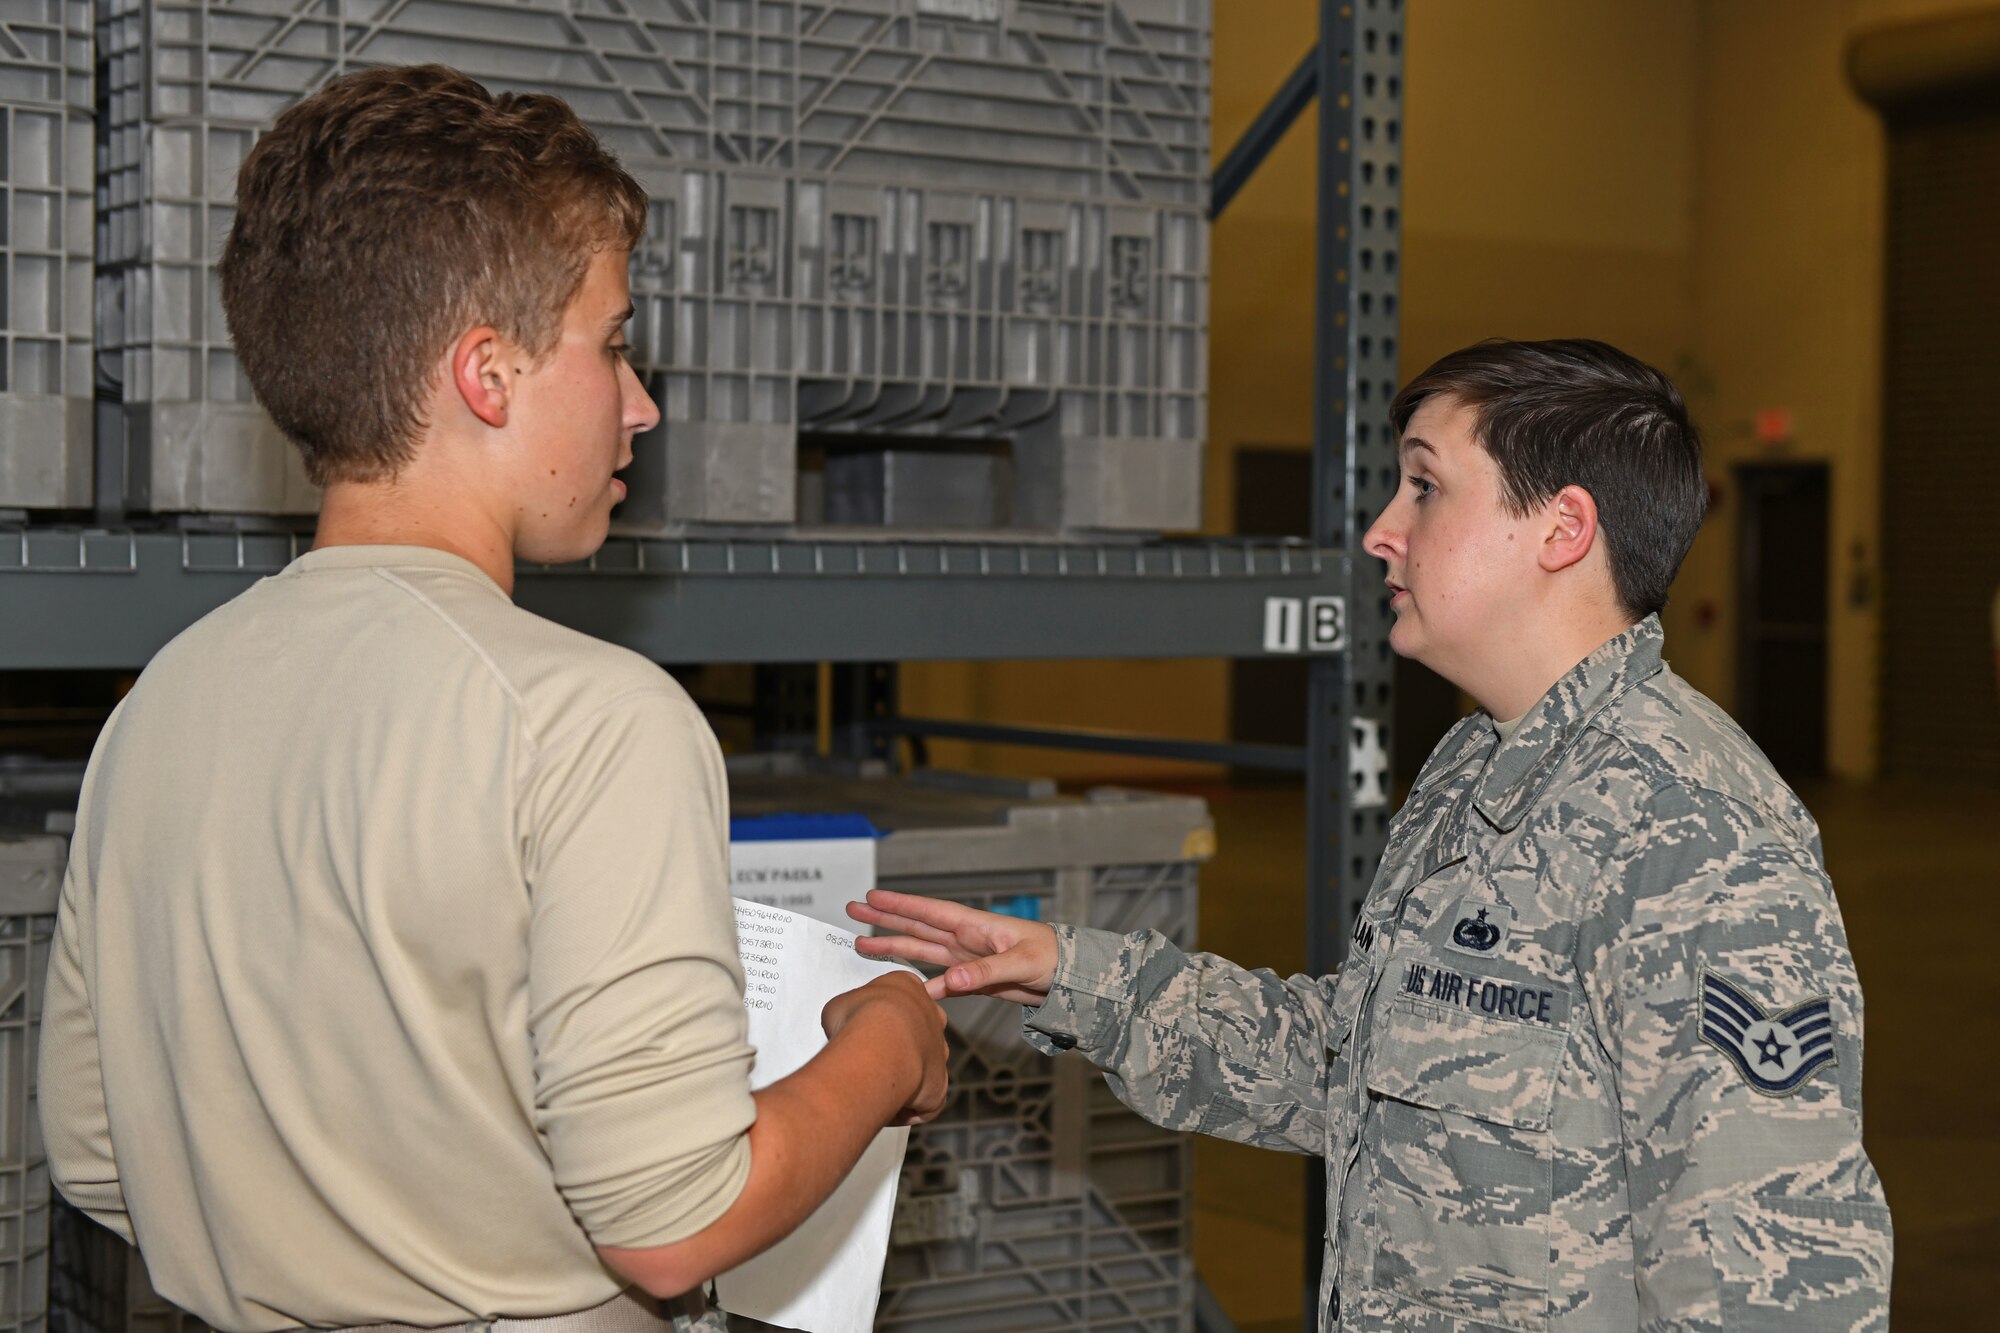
(1354, 449)
(1354, 474)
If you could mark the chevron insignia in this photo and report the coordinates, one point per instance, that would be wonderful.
(1775, 1053)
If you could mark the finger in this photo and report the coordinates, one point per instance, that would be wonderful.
(984, 974)
(905, 948)
(936, 988)
(901, 925)
(937, 913)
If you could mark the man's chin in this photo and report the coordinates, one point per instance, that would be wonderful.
(566, 549)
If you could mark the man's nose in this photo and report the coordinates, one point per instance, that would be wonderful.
(641, 412)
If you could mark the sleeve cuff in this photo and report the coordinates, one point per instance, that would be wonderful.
(1090, 996)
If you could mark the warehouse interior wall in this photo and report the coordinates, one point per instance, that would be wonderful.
(1694, 181)
(1789, 252)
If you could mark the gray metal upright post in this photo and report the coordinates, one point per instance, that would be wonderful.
(1354, 475)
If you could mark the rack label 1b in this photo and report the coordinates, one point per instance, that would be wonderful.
(1309, 624)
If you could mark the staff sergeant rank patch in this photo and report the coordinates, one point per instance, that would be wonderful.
(1776, 1054)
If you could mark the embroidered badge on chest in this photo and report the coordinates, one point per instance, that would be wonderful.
(1478, 928)
(1775, 1053)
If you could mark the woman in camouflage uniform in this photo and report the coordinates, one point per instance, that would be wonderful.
(1594, 1060)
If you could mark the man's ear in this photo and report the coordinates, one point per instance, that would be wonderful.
(1571, 529)
(481, 376)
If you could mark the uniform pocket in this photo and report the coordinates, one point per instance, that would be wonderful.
(1796, 1263)
(1466, 1169)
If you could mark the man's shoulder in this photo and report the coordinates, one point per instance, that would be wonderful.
(442, 630)
(556, 675)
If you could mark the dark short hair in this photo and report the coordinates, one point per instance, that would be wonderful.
(1576, 412)
(387, 214)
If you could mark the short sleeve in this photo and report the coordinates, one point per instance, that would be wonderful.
(635, 990)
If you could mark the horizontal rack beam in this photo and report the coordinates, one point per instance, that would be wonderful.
(75, 599)
(1241, 754)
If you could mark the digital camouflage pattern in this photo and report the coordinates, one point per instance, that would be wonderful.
(1524, 1125)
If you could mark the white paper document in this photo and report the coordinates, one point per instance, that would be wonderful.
(825, 1277)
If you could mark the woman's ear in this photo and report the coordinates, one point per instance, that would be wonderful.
(1571, 529)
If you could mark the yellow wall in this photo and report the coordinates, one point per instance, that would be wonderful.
(1788, 275)
(1693, 181)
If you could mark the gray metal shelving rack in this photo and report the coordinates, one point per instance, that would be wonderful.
(79, 598)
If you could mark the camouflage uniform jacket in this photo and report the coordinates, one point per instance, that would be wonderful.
(1594, 1061)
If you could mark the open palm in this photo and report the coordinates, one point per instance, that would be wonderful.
(982, 953)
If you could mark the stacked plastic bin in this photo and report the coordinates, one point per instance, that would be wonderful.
(192, 437)
(1035, 1201)
(31, 869)
(962, 240)
(45, 245)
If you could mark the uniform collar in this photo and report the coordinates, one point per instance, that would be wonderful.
(363, 556)
(1518, 771)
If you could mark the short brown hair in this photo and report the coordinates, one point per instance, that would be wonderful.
(1576, 412)
(385, 215)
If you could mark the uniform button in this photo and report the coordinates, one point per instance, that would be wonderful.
(1062, 1041)
(1333, 1305)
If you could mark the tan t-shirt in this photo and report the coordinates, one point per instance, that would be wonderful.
(396, 962)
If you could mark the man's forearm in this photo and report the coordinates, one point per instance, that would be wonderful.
(811, 1129)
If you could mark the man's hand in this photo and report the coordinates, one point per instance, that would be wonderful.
(983, 953)
(910, 1021)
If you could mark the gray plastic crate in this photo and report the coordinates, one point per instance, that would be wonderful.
(31, 870)
(45, 53)
(1106, 99)
(99, 1284)
(86, 1273)
(1072, 332)
(46, 204)
(1036, 1201)
(840, 244)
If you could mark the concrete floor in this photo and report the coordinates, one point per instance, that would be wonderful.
(1914, 870)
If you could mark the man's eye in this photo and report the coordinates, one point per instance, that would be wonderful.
(622, 349)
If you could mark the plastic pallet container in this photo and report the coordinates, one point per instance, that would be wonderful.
(46, 203)
(31, 869)
(1073, 332)
(99, 1284)
(45, 53)
(838, 244)
(1103, 99)
(86, 1273)
(1036, 1201)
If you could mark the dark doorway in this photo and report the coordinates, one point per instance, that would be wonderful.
(1267, 695)
(1940, 446)
(1781, 613)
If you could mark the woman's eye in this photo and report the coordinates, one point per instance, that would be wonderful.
(1423, 487)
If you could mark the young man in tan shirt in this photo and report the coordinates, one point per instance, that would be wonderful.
(395, 981)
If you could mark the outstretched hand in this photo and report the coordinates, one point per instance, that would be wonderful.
(983, 953)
